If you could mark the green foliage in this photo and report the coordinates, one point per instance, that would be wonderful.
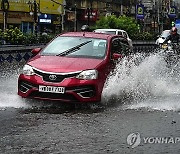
(1, 36)
(128, 24)
(45, 38)
(16, 37)
(106, 22)
(13, 36)
(30, 38)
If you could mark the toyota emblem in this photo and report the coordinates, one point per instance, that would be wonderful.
(52, 77)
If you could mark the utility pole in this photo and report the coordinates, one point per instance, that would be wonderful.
(89, 9)
(158, 17)
(62, 20)
(161, 11)
(62, 13)
(121, 8)
(34, 8)
(75, 17)
(5, 8)
(35, 17)
(154, 12)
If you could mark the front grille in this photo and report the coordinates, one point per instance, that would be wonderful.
(59, 77)
(67, 97)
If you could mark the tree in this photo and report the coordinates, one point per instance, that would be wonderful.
(122, 22)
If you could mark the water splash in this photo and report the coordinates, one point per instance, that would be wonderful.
(8, 87)
(139, 79)
(137, 82)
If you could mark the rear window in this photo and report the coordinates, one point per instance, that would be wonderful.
(119, 33)
(106, 32)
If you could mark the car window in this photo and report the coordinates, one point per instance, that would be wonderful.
(125, 35)
(110, 32)
(105, 31)
(89, 47)
(165, 34)
(120, 33)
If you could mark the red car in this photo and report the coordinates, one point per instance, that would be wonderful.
(73, 67)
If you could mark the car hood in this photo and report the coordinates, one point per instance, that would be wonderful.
(63, 64)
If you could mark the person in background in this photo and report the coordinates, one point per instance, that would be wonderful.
(173, 37)
(85, 28)
(44, 33)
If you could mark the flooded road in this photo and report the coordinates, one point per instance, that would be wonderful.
(140, 115)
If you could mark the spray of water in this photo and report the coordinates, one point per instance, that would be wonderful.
(8, 87)
(141, 81)
(138, 81)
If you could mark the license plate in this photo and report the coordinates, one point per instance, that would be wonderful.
(52, 89)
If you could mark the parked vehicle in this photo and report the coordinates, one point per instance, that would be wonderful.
(72, 68)
(162, 37)
(116, 32)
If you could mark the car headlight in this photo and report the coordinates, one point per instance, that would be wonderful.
(88, 75)
(28, 70)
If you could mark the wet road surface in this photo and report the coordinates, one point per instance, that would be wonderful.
(31, 126)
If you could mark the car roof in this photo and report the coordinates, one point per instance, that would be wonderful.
(109, 30)
(88, 34)
(166, 31)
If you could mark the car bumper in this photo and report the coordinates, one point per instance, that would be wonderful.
(75, 90)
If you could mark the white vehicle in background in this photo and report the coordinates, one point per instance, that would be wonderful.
(115, 32)
(162, 37)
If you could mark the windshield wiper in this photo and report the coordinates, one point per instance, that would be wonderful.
(73, 49)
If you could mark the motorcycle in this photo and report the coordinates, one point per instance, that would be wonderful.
(170, 53)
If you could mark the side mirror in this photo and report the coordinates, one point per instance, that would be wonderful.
(116, 56)
(35, 51)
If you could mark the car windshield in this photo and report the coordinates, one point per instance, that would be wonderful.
(76, 47)
(165, 34)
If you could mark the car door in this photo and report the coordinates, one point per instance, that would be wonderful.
(115, 52)
(120, 46)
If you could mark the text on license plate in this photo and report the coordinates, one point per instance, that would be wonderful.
(51, 89)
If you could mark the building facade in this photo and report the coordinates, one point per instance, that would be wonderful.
(52, 15)
(28, 14)
(69, 15)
